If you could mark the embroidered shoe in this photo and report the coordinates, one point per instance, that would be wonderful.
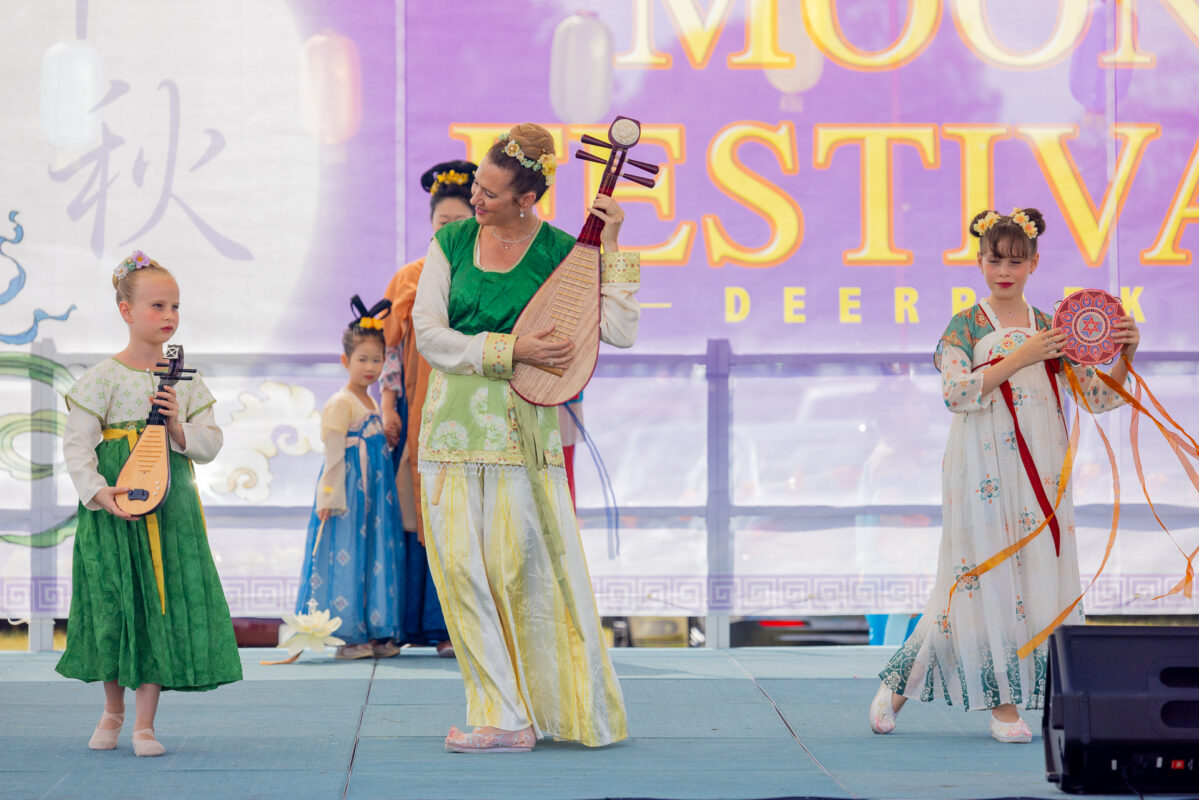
(385, 649)
(348, 652)
(1016, 732)
(106, 738)
(496, 742)
(882, 713)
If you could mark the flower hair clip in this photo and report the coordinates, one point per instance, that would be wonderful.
(986, 223)
(372, 319)
(449, 176)
(136, 261)
(546, 164)
(1025, 222)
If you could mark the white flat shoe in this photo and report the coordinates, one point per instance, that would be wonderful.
(1016, 732)
(882, 713)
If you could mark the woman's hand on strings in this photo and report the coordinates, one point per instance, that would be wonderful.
(106, 498)
(538, 350)
(612, 214)
(1127, 333)
(1041, 346)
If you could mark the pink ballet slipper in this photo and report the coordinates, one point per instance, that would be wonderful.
(1016, 732)
(144, 743)
(882, 713)
(106, 738)
(496, 742)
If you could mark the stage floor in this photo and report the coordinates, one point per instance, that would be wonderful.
(744, 723)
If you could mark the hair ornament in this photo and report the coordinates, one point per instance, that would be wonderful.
(546, 164)
(1025, 222)
(371, 319)
(451, 176)
(986, 223)
(135, 261)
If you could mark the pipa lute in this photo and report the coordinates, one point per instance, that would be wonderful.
(570, 298)
(147, 471)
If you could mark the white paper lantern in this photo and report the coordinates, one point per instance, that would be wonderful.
(794, 39)
(581, 69)
(72, 84)
(331, 87)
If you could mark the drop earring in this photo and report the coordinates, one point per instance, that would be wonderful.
(522, 213)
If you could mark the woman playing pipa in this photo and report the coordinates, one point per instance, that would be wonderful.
(503, 544)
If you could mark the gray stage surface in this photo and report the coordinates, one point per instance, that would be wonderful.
(745, 723)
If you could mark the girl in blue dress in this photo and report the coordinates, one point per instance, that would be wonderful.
(355, 545)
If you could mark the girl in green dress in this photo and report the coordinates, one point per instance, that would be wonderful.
(147, 610)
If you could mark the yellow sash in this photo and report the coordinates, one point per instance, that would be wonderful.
(151, 520)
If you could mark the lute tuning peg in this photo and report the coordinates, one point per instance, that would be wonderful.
(587, 156)
(589, 139)
(648, 183)
(650, 168)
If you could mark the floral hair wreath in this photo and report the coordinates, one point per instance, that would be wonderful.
(372, 319)
(1018, 217)
(1025, 222)
(546, 164)
(449, 176)
(136, 261)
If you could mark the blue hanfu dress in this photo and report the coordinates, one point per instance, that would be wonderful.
(355, 569)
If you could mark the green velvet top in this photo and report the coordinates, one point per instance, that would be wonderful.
(482, 301)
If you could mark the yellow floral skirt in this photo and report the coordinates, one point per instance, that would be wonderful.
(523, 661)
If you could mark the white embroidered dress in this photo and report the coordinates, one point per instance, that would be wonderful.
(969, 655)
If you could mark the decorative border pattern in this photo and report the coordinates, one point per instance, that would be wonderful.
(497, 355)
(622, 267)
(671, 595)
(779, 595)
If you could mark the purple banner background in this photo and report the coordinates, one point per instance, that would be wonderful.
(503, 76)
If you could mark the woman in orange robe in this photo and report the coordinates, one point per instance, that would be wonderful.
(405, 380)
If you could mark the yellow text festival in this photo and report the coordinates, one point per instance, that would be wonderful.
(1090, 222)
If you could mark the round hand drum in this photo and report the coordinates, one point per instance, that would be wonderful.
(1089, 317)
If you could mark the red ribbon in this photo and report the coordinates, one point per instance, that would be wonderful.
(1030, 467)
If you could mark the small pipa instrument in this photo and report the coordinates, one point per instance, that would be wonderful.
(147, 471)
(570, 298)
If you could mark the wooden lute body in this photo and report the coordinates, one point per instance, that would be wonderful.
(147, 470)
(570, 298)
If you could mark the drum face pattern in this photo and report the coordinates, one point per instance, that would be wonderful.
(1089, 316)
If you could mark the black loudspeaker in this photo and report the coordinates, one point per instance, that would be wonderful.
(1122, 709)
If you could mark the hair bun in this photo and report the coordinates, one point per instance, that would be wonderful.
(429, 178)
(977, 230)
(1036, 218)
(533, 139)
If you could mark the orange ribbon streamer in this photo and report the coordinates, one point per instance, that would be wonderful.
(1181, 449)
